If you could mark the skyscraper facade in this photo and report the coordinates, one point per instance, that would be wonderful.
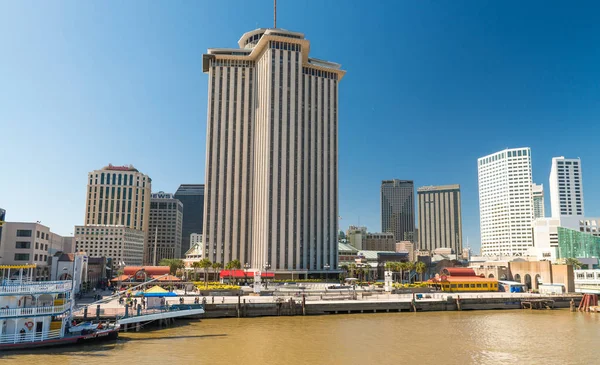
(505, 202)
(192, 197)
(440, 221)
(118, 195)
(566, 187)
(272, 163)
(164, 231)
(398, 208)
(116, 215)
(538, 201)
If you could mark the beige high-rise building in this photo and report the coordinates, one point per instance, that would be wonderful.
(440, 222)
(117, 196)
(272, 154)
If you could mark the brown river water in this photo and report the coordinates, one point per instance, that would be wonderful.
(482, 337)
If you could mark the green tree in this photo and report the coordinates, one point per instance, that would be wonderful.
(205, 264)
(233, 265)
(573, 262)
(409, 266)
(352, 268)
(366, 273)
(173, 264)
(216, 266)
(196, 266)
(420, 268)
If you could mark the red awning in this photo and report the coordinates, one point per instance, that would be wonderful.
(165, 278)
(241, 274)
(150, 270)
(121, 278)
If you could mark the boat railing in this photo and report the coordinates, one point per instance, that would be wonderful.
(30, 336)
(33, 311)
(19, 287)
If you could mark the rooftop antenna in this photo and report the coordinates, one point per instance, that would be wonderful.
(274, 13)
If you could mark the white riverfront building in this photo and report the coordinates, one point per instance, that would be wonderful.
(566, 187)
(505, 202)
(272, 154)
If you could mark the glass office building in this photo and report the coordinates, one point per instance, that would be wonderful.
(192, 197)
(574, 244)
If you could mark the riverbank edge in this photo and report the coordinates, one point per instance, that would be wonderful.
(452, 303)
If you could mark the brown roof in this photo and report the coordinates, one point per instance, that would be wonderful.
(67, 257)
(458, 271)
(150, 270)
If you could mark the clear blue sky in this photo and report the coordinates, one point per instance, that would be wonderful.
(431, 86)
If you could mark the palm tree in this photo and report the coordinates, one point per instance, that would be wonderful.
(216, 266)
(366, 273)
(409, 266)
(420, 268)
(573, 262)
(196, 266)
(205, 264)
(173, 264)
(400, 268)
(233, 265)
(344, 275)
(352, 268)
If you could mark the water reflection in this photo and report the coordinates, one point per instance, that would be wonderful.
(483, 337)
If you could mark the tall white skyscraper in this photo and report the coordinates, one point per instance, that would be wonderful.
(538, 201)
(566, 187)
(505, 202)
(272, 163)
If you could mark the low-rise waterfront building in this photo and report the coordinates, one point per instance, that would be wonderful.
(121, 244)
(30, 243)
(587, 281)
(359, 238)
(194, 254)
(408, 247)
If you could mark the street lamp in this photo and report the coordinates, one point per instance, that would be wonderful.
(246, 267)
(267, 267)
(326, 267)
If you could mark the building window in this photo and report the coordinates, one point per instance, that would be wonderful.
(21, 257)
(23, 232)
(22, 244)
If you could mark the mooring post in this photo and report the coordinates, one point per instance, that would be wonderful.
(303, 304)
(98, 312)
(85, 313)
(458, 303)
(238, 305)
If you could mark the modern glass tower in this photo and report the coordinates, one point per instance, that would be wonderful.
(192, 197)
(398, 209)
(272, 154)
